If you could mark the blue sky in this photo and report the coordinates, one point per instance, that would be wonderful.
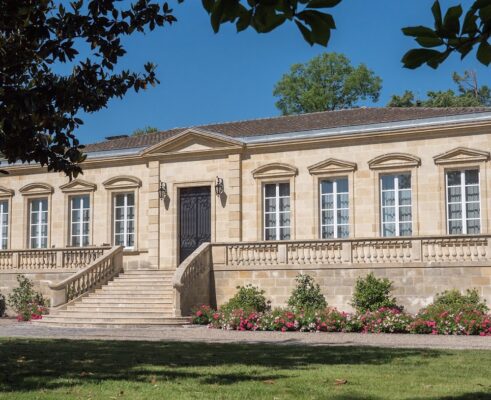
(208, 78)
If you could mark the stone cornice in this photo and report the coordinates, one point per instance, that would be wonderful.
(122, 182)
(332, 165)
(394, 160)
(461, 154)
(36, 189)
(276, 170)
(78, 185)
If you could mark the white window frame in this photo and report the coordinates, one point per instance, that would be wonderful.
(125, 219)
(396, 205)
(277, 211)
(463, 203)
(39, 238)
(335, 208)
(4, 238)
(81, 221)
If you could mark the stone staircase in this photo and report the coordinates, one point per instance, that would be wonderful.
(134, 298)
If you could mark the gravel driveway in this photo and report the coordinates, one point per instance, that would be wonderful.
(12, 328)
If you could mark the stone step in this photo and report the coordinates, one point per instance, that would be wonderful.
(113, 308)
(110, 321)
(144, 279)
(111, 314)
(135, 291)
(145, 285)
(136, 297)
(147, 273)
(131, 300)
(103, 325)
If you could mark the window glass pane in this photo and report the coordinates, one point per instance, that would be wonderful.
(342, 185)
(343, 200)
(119, 227)
(284, 219)
(472, 210)
(388, 198)
(75, 215)
(327, 201)
(270, 220)
(130, 241)
(405, 229)
(343, 217)
(327, 232)
(285, 234)
(387, 182)
(327, 187)
(343, 231)
(472, 177)
(454, 194)
(270, 205)
(270, 234)
(270, 190)
(405, 198)
(284, 189)
(76, 202)
(75, 240)
(472, 193)
(404, 181)
(44, 217)
(119, 213)
(44, 242)
(86, 228)
(473, 227)
(131, 226)
(34, 230)
(130, 199)
(285, 204)
(455, 227)
(389, 214)
(389, 229)
(453, 178)
(130, 212)
(4, 206)
(405, 214)
(120, 200)
(454, 211)
(328, 217)
(118, 240)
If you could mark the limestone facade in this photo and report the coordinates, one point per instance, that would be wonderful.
(196, 157)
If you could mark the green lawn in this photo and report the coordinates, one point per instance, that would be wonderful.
(62, 369)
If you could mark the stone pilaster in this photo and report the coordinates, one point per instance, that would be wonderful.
(153, 213)
(233, 189)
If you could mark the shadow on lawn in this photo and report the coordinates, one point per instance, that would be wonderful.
(49, 364)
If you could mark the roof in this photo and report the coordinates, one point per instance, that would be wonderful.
(292, 123)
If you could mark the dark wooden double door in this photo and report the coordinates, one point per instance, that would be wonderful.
(194, 219)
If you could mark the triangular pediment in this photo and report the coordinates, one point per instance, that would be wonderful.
(195, 141)
(78, 185)
(279, 170)
(461, 154)
(331, 165)
(5, 192)
(394, 160)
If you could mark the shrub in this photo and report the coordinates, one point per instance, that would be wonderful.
(454, 300)
(248, 298)
(3, 306)
(372, 294)
(203, 315)
(386, 320)
(26, 302)
(307, 294)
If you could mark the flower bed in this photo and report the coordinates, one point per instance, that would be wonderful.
(467, 321)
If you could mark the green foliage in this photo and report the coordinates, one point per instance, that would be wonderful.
(249, 298)
(307, 294)
(455, 32)
(372, 293)
(26, 301)
(454, 301)
(265, 15)
(144, 131)
(326, 82)
(3, 305)
(469, 94)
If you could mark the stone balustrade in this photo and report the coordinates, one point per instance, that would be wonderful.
(191, 280)
(99, 272)
(67, 258)
(354, 251)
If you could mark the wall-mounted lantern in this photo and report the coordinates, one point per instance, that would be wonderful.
(219, 186)
(162, 190)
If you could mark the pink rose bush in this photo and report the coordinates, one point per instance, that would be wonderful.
(384, 320)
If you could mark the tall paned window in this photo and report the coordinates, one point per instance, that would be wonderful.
(38, 223)
(79, 220)
(334, 203)
(463, 202)
(396, 212)
(124, 220)
(277, 211)
(4, 224)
